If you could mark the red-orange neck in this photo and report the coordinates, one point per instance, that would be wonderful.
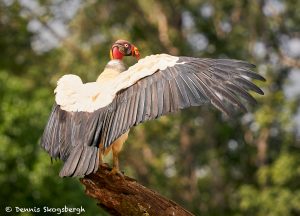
(116, 54)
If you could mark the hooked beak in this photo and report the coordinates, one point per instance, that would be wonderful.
(135, 52)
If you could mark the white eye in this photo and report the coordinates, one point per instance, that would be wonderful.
(126, 45)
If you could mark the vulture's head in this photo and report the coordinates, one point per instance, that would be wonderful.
(123, 48)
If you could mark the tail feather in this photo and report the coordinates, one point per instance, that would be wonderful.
(83, 160)
(94, 161)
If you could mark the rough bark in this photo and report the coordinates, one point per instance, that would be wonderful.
(125, 196)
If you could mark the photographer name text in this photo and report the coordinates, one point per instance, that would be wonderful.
(46, 209)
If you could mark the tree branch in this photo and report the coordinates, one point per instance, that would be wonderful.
(125, 196)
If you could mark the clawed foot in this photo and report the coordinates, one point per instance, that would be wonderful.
(116, 171)
(106, 165)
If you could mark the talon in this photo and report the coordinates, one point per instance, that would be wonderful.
(106, 165)
(116, 171)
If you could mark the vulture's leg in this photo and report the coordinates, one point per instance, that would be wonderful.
(101, 160)
(116, 168)
(116, 149)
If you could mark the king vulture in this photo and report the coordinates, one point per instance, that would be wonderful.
(90, 119)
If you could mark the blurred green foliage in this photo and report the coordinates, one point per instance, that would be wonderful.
(248, 165)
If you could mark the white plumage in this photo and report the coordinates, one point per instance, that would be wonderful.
(73, 95)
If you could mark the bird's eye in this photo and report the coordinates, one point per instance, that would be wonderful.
(126, 45)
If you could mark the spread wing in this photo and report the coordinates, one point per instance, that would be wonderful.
(190, 82)
(155, 86)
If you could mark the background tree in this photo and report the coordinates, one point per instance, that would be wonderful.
(248, 165)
